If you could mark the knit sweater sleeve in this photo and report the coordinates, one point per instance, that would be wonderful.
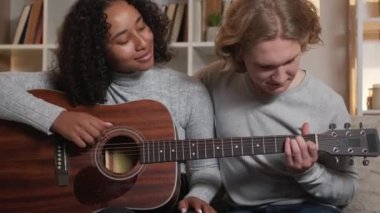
(204, 175)
(18, 105)
(333, 179)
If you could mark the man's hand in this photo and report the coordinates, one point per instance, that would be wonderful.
(81, 128)
(300, 154)
(197, 204)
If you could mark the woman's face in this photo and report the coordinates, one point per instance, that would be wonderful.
(273, 65)
(130, 44)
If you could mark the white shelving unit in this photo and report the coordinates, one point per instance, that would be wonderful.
(189, 56)
(196, 54)
(29, 57)
(366, 54)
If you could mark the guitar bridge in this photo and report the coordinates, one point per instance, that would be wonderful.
(61, 170)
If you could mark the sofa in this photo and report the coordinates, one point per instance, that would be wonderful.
(367, 200)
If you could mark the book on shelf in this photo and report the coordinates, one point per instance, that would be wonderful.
(184, 31)
(177, 22)
(22, 24)
(39, 32)
(170, 12)
(35, 18)
(197, 24)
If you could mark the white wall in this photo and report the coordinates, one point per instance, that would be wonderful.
(330, 61)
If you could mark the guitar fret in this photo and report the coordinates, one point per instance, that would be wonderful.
(197, 149)
(148, 153)
(253, 150)
(160, 151)
(143, 151)
(218, 150)
(176, 144)
(183, 151)
(222, 147)
(232, 147)
(165, 149)
(241, 146)
(263, 146)
(256, 145)
(170, 151)
(205, 149)
(213, 146)
(154, 159)
(151, 152)
(193, 146)
(275, 144)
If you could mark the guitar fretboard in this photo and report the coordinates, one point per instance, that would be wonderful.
(182, 150)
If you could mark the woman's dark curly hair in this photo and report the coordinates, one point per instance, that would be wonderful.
(82, 71)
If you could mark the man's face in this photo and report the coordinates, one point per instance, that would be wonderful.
(272, 65)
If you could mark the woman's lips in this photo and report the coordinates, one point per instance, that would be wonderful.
(144, 58)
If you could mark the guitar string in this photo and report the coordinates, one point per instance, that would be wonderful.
(158, 146)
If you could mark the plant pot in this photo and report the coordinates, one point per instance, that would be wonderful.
(211, 33)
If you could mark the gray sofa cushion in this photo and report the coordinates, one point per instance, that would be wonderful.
(367, 200)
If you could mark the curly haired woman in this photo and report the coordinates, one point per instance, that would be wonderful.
(109, 52)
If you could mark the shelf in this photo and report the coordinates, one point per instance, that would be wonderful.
(372, 19)
(189, 56)
(14, 60)
(21, 46)
(372, 112)
(366, 54)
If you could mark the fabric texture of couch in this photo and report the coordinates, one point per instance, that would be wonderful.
(367, 200)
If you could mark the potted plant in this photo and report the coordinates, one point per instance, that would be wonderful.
(213, 23)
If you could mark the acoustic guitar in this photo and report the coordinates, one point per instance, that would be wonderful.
(133, 165)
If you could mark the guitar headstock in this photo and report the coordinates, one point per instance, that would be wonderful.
(350, 142)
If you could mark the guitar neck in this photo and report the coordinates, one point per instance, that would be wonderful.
(182, 150)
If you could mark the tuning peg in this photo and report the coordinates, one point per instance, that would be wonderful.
(347, 126)
(351, 162)
(332, 126)
(365, 161)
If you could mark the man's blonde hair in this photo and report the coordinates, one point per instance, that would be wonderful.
(249, 22)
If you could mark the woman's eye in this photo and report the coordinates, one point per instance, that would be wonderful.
(122, 42)
(267, 67)
(141, 28)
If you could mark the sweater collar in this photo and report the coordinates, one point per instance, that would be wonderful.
(132, 79)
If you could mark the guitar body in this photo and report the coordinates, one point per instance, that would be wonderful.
(34, 177)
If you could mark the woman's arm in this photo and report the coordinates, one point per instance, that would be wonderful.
(20, 106)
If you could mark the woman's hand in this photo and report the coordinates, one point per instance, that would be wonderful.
(81, 128)
(197, 204)
(300, 154)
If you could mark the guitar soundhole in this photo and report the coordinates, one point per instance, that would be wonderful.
(117, 154)
(120, 155)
